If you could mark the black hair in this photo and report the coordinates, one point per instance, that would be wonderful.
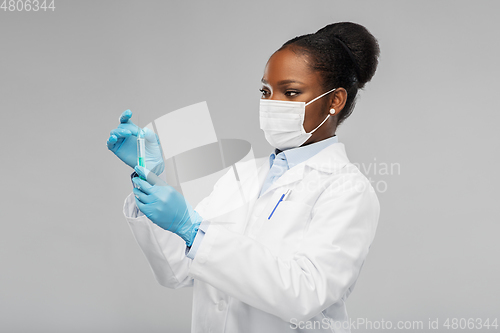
(345, 54)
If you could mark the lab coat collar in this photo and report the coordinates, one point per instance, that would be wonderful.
(331, 159)
(300, 154)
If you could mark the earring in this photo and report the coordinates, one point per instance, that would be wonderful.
(332, 111)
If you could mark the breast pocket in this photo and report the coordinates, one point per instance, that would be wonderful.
(283, 231)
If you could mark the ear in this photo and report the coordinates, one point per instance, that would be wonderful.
(338, 100)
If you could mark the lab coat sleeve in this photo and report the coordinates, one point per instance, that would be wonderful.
(191, 252)
(164, 250)
(321, 272)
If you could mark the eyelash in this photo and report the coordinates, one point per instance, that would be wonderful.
(294, 92)
(287, 93)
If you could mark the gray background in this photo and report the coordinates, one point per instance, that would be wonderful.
(68, 259)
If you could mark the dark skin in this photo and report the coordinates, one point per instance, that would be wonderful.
(288, 76)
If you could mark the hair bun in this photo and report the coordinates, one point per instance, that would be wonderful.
(361, 44)
(343, 54)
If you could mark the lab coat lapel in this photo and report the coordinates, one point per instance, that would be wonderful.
(330, 159)
(252, 174)
(255, 182)
(233, 209)
(293, 175)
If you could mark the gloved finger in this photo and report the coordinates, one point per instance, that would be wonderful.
(142, 172)
(111, 141)
(149, 135)
(125, 116)
(120, 133)
(140, 205)
(143, 185)
(141, 196)
(150, 177)
(130, 126)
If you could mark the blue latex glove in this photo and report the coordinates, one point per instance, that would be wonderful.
(123, 142)
(166, 207)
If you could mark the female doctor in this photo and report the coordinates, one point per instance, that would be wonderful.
(287, 260)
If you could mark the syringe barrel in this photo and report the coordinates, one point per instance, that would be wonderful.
(141, 149)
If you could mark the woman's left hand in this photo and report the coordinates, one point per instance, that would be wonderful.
(166, 207)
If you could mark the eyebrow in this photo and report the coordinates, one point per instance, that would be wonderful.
(283, 82)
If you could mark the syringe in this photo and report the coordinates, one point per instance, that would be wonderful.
(141, 148)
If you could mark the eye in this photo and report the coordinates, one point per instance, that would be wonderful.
(264, 92)
(292, 93)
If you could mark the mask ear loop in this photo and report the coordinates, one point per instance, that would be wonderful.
(319, 125)
(326, 116)
(320, 96)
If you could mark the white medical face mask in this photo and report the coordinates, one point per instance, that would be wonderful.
(283, 122)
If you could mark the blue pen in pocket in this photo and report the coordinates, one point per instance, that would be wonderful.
(283, 198)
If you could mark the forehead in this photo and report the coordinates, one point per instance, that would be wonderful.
(286, 65)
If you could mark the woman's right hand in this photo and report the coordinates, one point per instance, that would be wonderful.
(123, 143)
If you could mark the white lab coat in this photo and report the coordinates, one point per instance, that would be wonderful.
(257, 275)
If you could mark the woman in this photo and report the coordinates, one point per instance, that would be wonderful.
(289, 258)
